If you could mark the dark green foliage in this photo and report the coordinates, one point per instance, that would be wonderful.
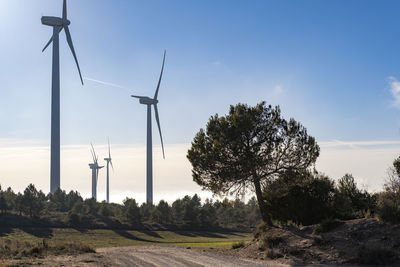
(164, 212)
(3, 203)
(132, 211)
(106, 210)
(237, 245)
(351, 202)
(92, 205)
(74, 219)
(301, 197)
(388, 207)
(33, 201)
(70, 210)
(248, 148)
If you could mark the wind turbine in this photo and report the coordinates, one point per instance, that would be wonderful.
(145, 100)
(109, 161)
(58, 25)
(95, 172)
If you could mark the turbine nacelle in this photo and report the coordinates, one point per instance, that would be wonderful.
(148, 101)
(95, 166)
(55, 21)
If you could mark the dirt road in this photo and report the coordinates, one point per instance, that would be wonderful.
(172, 256)
(153, 256)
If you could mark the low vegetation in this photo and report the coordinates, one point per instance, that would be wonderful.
(15, 249)
(69, 210)
(97, 238)
(240, 244)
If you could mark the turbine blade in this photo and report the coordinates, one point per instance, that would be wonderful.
(109, 150)
(159, 129)
(71, 45)
(93, 153)
(48, 43)
(112, 167)
(51, 40)
(159, 81)
(137, 96)
(64, 16)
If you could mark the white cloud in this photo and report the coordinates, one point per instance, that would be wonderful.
(395, 91)
(357, 144)
(107, 83)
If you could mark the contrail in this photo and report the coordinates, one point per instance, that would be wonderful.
(107, 83)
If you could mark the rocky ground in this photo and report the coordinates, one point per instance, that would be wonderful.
(354, 242)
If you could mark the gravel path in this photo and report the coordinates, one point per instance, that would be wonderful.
(173, 256)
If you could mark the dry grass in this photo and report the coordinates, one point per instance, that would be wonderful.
(14, 249)
(98, 238)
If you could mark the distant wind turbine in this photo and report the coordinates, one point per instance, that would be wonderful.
(95, 172)
(149, 102)
(58, 25)
(109, 161)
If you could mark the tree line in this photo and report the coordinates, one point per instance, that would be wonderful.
(63, 209)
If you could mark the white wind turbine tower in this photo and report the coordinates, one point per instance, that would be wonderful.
(109, 161)
(58, 25)
(95, 172)
(149, 161)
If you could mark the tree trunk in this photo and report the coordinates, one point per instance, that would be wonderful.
(261, 203)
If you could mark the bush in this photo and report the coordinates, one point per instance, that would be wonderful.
(15, 249)
(389, 207)
(350, 202)
(288, 196)
(237, 245)
(74, 219)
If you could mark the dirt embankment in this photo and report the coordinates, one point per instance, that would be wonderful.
(361, 241)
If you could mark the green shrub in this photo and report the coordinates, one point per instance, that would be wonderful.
(350, 202)
(74, 219)
(389, 207)
(288, 196)
(240, 244)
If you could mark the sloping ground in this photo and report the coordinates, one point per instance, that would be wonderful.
(361, 241)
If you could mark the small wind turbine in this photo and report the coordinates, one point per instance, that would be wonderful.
(95, 172)
(109, 161)
(145, 100)
(58, 25)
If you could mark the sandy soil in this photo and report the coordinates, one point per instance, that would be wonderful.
(146, 256)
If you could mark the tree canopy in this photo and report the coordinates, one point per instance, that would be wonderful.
(247, 149)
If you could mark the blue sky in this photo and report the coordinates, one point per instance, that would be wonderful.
(333, 65)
